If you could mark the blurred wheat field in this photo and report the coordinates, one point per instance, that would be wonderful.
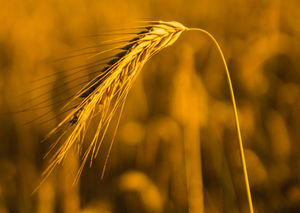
(176, 148)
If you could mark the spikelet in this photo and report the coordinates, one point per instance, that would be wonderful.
(106, 93)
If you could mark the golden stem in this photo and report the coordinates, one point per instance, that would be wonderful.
(235, 115)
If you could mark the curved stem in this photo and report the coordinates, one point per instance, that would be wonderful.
(235, 115)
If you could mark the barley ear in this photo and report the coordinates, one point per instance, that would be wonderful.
(243, 161)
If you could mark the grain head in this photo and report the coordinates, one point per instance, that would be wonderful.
(107, 92)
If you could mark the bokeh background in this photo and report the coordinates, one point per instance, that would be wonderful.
(176, 149)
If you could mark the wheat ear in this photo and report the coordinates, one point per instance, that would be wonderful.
(105, 93)
(115, 81)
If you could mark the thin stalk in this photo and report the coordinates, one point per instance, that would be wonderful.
(235, 115)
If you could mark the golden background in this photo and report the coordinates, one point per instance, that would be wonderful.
(176, 149)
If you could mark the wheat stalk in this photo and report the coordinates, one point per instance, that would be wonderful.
(240, 141)
(114, 82)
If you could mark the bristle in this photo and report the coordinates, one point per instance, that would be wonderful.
(121, 54)
(128, 47)
(134, 39)
(143, 32)
(113, 61)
